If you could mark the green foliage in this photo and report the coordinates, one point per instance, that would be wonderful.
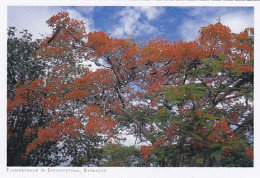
(236, 159)
(21, 66)
(190, 92)
(83, 150)
(222, 56)
(120, 156)
(216, 154)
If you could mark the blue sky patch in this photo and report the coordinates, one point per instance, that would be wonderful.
(139, 22)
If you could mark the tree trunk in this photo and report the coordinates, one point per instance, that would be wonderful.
(193, 161)
(207, 161)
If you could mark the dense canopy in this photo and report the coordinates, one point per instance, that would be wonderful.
(186, 103)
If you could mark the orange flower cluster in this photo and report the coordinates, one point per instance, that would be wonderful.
(54, 132)
(216, 35)
(104, 46)
(223, 127)
(173, 53)
(35, 87)
(221, 133)
(61, 17)
(246, 68)
(146, 151)
(243, 44)
(10, 105)
(51, 101)
(76, 94)
(157, 50)
(155, 88)
(101, 42)
(99, 124)
(202, 130)
(160, 141)
(250, 152)
(21, 96)
(94, 81)
(29, 131)
(31, 147)
(171, 131)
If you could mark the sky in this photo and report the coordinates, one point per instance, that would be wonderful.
(138, 22)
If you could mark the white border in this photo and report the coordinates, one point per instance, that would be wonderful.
(128, 172)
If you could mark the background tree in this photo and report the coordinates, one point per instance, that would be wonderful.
(22, 68)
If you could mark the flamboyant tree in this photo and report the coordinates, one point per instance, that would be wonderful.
(188, 103)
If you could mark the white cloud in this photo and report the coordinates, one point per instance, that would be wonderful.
(31, 18)
(236, 19)
(34, 18)
(85, 10)
(190, 28)
(87, 20)
(151, 13)
(136, 20)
